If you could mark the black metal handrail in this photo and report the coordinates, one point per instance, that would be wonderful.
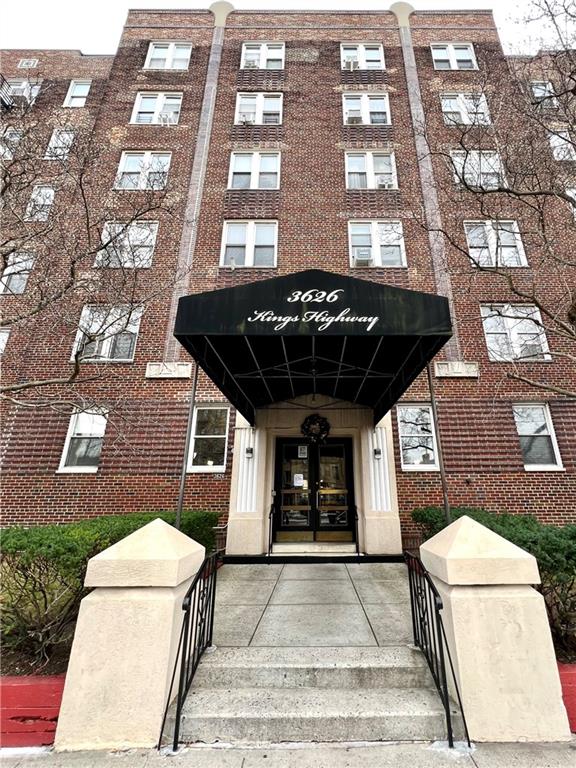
(195, 637)
(430, 636)
(270, 530)
(356, 531)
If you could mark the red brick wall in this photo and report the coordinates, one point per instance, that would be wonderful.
(144, 442)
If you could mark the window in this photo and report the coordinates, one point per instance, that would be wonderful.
(366, 109)
(495, 243)
(77, 93)
(361, 56)
(127, 245)
(571, 191)
(262, 56)
(417, 437)
(465, 109)
(157, 108)
(40, 203)
(209, 440)
(376, 244)
(27, 63)
(543, 94)
(168, 56)
(258, 109)
(537, 438)
(254, 170)
(370, 170)
(83, 444)
(9, 142)
(143, 170)
(514, 332)
(249, 244)
(478, 169)
(454, 56)
(562, 145)
(3, 339)
(15, 275)
(60, 143)
(107, 333)
(23, 89)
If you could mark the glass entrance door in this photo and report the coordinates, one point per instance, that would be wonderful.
(314, 493)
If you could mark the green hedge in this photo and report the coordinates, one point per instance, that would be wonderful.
(43, 568)
(554, 547)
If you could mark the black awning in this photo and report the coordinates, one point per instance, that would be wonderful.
(313, 332)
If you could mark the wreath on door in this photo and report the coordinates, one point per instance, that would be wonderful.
(316, 428)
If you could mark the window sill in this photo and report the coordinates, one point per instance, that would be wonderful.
(252, 189)
(373, 189)
(159, 125)
(205, 470)
(380, 266)
(77, 470)
(421, 468)
(521, 362)
(90, 361)
(165, 69)
(247, 266)
(544, 468)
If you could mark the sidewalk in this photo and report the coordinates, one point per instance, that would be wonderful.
(381, 755)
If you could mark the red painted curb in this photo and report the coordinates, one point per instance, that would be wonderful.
(568, 681)
(29, 710)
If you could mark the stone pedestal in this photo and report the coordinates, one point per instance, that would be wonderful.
(498, 634)
(126, 640)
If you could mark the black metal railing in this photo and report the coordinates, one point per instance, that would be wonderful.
(430, 636)
(195, 637)
(270, 530)
(356, 531)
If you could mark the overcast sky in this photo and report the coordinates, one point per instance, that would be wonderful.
(94, 26)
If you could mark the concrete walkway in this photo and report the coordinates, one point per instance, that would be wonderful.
(323, 604)
(389, 755)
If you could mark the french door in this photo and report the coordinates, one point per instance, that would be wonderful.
(314, 490)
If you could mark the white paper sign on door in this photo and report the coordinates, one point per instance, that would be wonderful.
(298, 481)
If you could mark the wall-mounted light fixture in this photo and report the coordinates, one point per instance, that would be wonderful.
(249, 453)
(377, 453)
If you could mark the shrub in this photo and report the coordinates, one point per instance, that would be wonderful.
(553, 547)
(43, 569)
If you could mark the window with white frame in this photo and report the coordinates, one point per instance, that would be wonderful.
(417, 437)
(249, 244)
(16, 273)
(60, 144)
(23, 89)
(376, 244)
(258, 109)
(537, 438)
(77, 93)
(143, 170)
(156, 108)
(370, 170)
(209, 442)
(479, 169)
(543, 94)
(495, 243)
(127, 245)
(366, 109)
(11, 137)
(571, 192)
(83, 444)
(168, 56)
(465, 109)
(27, 63)
(107, 333)
(454, 56)
(254, 170)
(562, 145)
(514, 332)
(263, 56)
(361, 56)
(4, 334)
(40, 203)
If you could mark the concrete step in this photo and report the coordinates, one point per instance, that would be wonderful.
(349, 668)
(313, 548)
(255, 715)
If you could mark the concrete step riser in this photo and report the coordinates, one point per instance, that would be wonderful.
(342, 678)
(241, 730)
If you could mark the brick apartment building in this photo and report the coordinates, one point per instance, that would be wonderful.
(288, 149)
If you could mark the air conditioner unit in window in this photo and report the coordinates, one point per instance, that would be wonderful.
(167, 118)
(351, 64)
(384, 182)
(531, 352)
(363, 257)
(354, 117)
(251, 65)
(247, 118)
